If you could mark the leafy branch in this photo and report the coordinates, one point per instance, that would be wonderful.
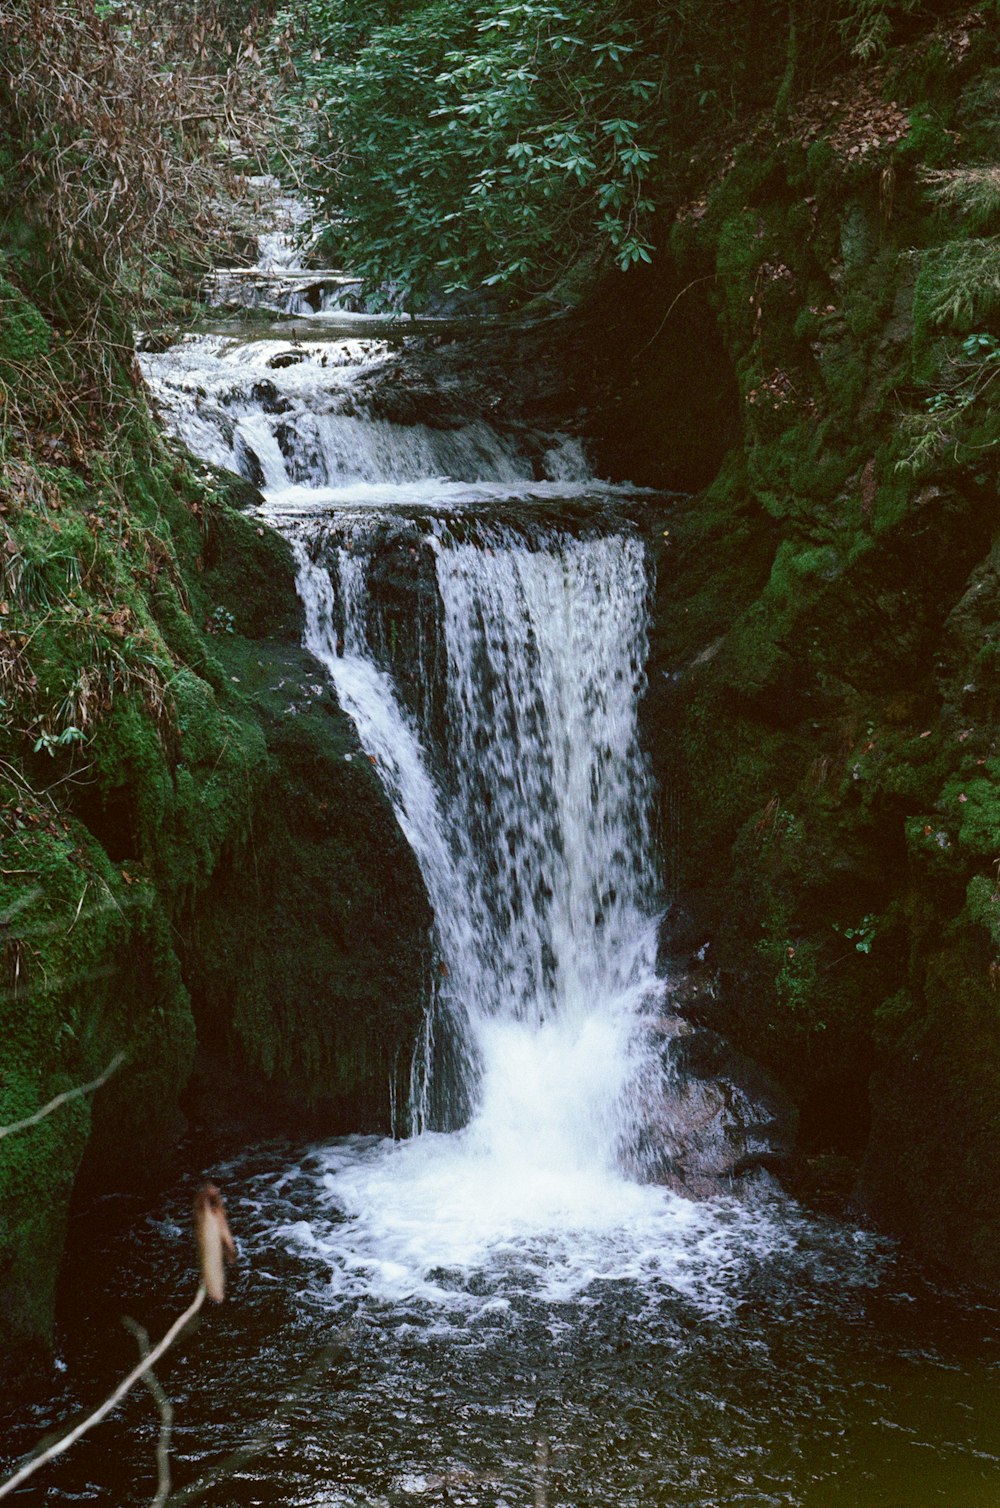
(939, 426)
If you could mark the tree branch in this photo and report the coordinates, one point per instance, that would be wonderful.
(111, 1402)
(166, 1409)
(61, 1099)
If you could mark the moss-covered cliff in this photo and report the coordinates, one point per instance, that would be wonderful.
(824, 691)
(191, 872)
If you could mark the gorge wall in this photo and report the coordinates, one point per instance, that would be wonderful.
(823, 706)
(198, 868)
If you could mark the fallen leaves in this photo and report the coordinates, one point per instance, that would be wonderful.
(777, 391)
(862, 126)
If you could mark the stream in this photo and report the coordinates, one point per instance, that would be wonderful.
(515, 1300)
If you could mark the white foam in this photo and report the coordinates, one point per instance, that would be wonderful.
(529, 817)
(443, 1221)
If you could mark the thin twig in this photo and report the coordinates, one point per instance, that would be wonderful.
(61, 1099)
(166, 1409)
(83, 897)
(111, 1402)
(693, 284)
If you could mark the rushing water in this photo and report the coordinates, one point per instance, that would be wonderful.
(500, 1308)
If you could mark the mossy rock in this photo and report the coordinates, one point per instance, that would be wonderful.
(928, 1173)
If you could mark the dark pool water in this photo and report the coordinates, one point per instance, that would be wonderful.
(814, 1368)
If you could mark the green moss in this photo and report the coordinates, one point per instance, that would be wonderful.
(312, 954)
(819, 159)
(928, 140)
(83, 980)
(188, 865)
(976, 807)
(740, 249)
(826, 629)
(24, 335)
(983, 902)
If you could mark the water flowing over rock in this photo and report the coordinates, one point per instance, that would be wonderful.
(527, 808)
(480, 602)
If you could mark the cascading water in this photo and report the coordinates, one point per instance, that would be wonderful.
(526, 1314)
(533, 842)
(525, 798)
(510, 750)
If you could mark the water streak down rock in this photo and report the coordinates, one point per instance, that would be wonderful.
(480, 602)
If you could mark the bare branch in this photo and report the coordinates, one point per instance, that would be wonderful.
(166, 1409)
(144, 149)
(110, 1403)
(62, 1099)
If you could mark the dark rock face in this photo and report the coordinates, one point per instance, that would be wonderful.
(308, 955)
(661, 395)
(822, 713)
(929, 1170)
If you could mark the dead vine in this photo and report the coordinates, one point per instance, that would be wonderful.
(134, 132)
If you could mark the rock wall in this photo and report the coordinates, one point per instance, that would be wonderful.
(192, 873)
(823, 706)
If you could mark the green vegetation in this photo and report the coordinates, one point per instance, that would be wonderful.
(484, 146)
(829, 612)
(532, 145)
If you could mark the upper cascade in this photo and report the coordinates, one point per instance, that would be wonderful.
(288, 414)
(319, 410)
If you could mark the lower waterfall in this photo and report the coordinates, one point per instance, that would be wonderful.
(527, 810)
(524, 1302)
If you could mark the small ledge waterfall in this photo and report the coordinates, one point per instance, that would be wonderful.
(527, 810)
(479, 601)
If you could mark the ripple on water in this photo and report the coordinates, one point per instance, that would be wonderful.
(665, 1355)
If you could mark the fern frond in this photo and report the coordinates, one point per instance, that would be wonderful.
(959, 283)
(973, 191)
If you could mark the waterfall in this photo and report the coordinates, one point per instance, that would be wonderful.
(533, 1304)
(527, 811)
(479, 601)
